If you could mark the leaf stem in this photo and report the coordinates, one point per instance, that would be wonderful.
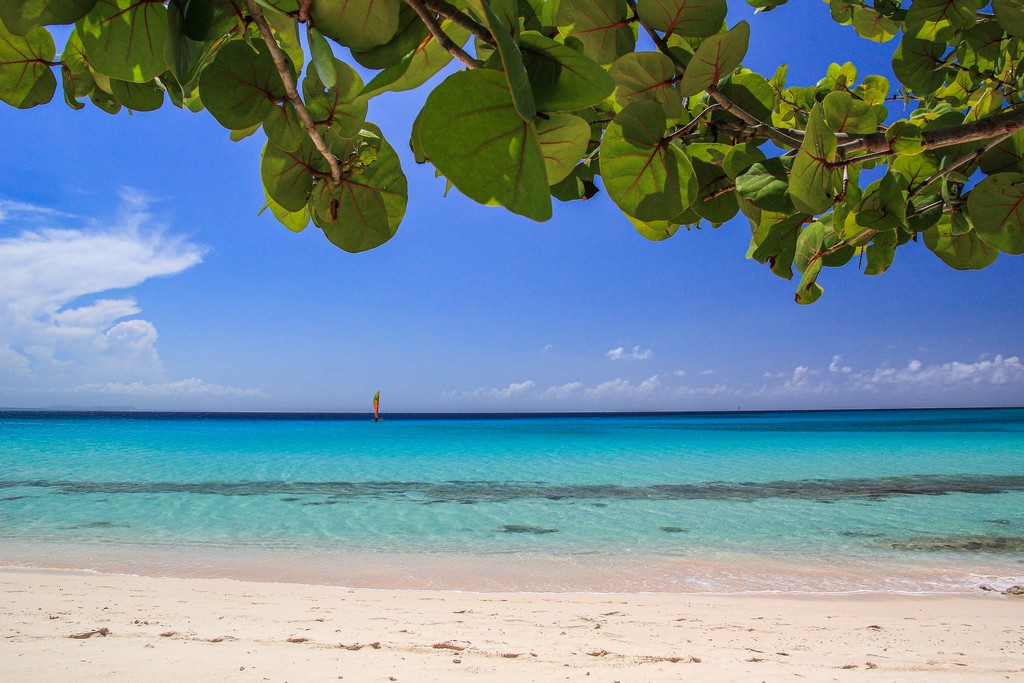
(289, 86)
(440, 36)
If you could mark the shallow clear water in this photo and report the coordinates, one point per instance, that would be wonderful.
(907, 500)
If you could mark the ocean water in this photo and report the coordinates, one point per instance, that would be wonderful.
(915, 501)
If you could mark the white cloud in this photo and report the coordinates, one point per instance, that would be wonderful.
(799, 377)
(621, 353)
(184, 387)
(708, 372)
(59, 326)
(516, 389)
(837, 366)
(623, 387)
(547, 347)
(21, 211)
(998, 371)
(679, 373)
(564, 391)
(717, 390)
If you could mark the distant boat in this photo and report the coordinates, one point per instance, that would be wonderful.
(376, 407)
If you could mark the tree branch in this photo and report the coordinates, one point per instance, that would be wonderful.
(440, 36)
(663, 47)
(683, 130)
(460, 18)
(289, 86)
(984, 129)
(771, 132)
(967, 158)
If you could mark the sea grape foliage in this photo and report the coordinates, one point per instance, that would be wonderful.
(647, 99)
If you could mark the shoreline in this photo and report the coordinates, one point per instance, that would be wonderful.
(526, 573)
(164, 629)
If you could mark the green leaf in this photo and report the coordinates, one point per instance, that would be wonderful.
(963, 252)
(766, 185)
(688, 18)
(812, 182)
(882, 207)
(239, 135)
(602, 26)
(647, 176)
(26, 79)
(751, 93)
(881, 252)
(939, 20)
(495, 158)
(816, 244)
(563, 141)
(284, 128)
(843, 114)
(996, 206)
(873, 90)
(740, 158)
(184, 56)
(21, 16)
(323, 57)
(562, 79)
(715, 199)
(915, 170)
(715, 58)
(296, 221)
(339, 106)
(905, 138)
(418, 66)
(104, 101)
(365, 210)
(137, 96)
(1007, 156)
(577, 185)
(241, 87)
(931, 209)
(288, 174)
(655, 231)
(915, 63)
(810, 247)
(840, 76)
(871, 25)
(981, 47)
(208, 20)
(1010, 15)
(774, 241)
(76, 85)
(357, 24)
(647, 77)
(512, 63)
(411, 32)
(124, 39)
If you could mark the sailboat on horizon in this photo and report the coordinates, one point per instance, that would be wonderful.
(376, 407)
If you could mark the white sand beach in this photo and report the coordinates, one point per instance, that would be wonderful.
(79, 626)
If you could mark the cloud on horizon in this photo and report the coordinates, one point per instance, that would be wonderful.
(837, 380)
(183, 387)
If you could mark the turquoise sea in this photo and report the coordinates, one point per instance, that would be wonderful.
(919, 501)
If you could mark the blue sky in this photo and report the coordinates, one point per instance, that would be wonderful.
(134, 272)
